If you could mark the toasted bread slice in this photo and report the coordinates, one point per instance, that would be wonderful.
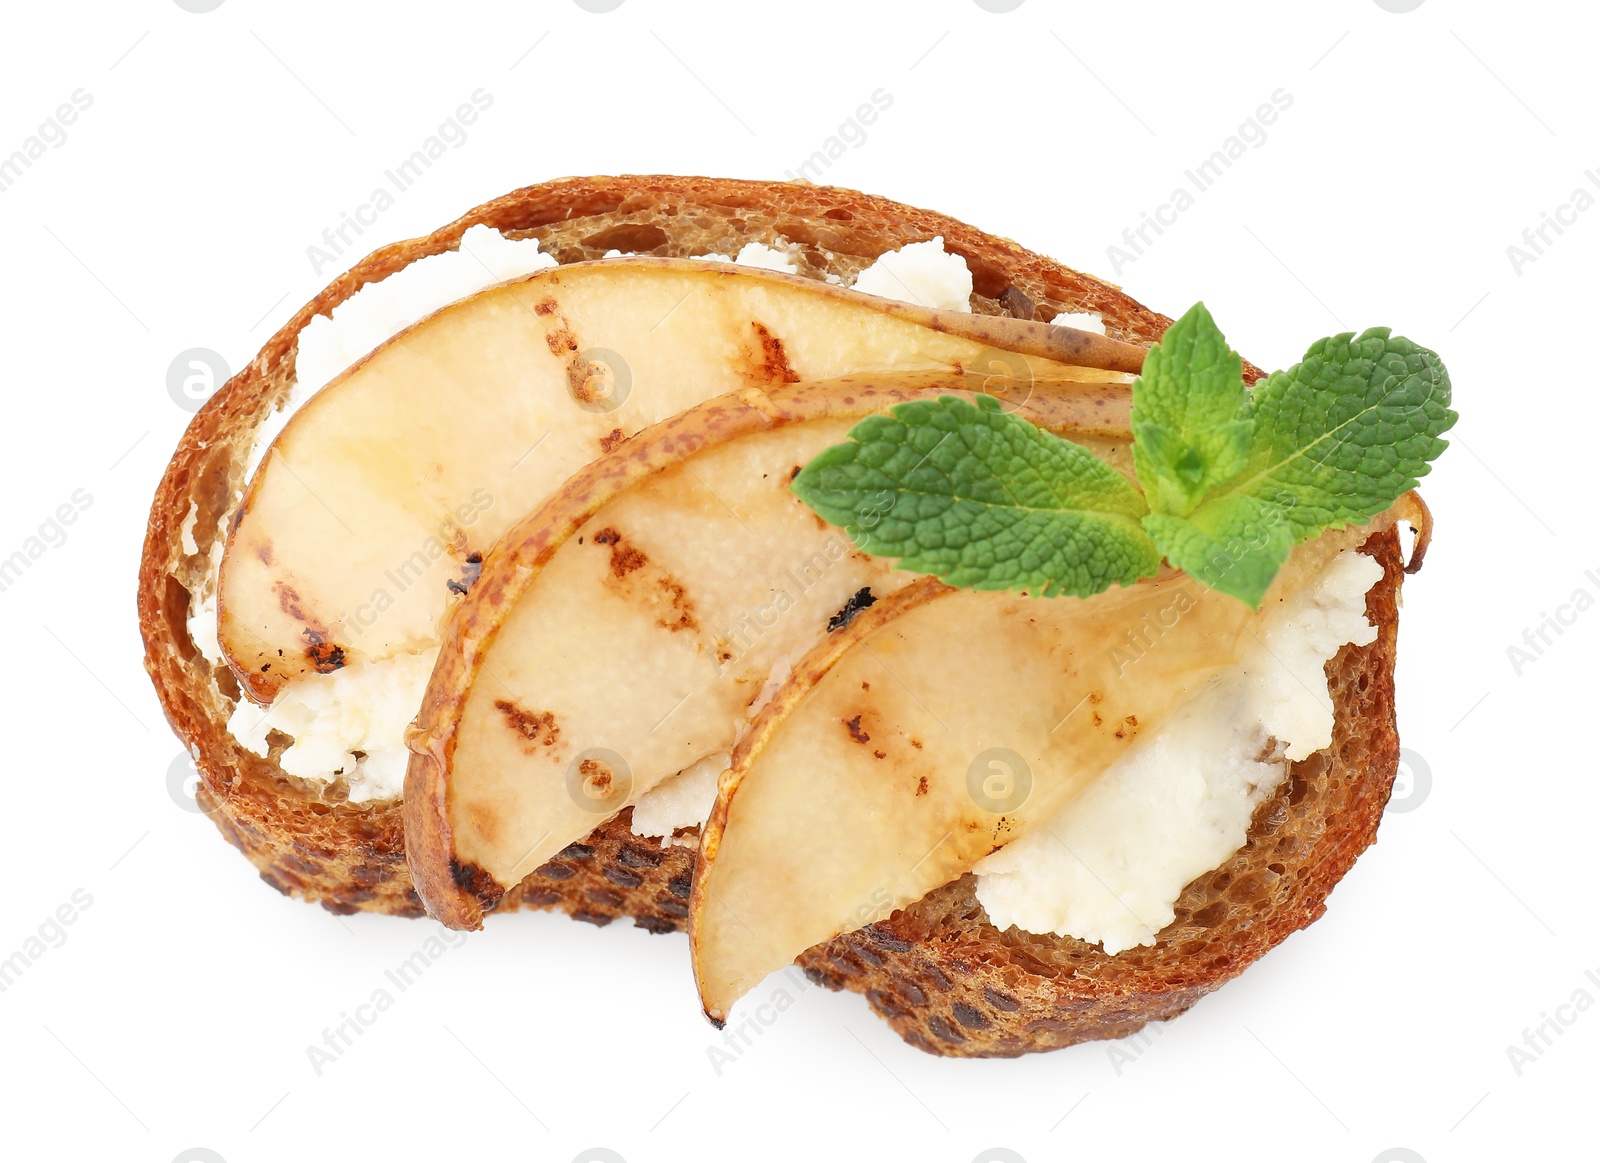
(945, 978)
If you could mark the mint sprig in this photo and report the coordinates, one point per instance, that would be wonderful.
(1334, 440)
(1232, 478)
(983, 500)
(1191, 415)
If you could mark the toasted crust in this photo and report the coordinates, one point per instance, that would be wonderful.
(938, 972)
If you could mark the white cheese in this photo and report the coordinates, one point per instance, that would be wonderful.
(922, 273)
(203, 608)
(203, 628)
(755, 254)
(186, 533)
(752, 254)
(1111, 865)
(683, 801)
(350, 723)
(1082, 320)
(1109, 868)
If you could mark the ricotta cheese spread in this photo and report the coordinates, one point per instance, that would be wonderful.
(922, 273)
(683, 801)
(755, 254)
(203, 607)
(1111, 865)
(752, 254)
(350, 723)
(186, 530)
(1082, 320)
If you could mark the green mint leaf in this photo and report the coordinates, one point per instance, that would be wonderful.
(982, 499)
(1235, 548)
(1336, 439)
(1349, 429)
(1191, 426)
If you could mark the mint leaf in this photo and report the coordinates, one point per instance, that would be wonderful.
(1335, 440)
(1350, 428)
(1191, 413)
(1234, 549)
(983, 500)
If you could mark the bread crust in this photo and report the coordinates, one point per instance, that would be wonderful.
(945, 979)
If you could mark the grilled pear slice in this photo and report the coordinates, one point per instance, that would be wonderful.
(940, 726)
(624, 630)
(373, 508)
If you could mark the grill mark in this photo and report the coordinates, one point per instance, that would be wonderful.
(535, 727)
(633, 572)
(325, 657)
(625, 559)
(772, 362)
(859, 601)
(469, 574)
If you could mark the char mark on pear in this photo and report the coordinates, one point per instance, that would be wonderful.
(625, 558)
(859, 601)
(325, 657)
(772, 362)
(634, 575)
(470, 572)
(535, 727)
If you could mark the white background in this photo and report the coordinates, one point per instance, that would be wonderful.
(177, 214)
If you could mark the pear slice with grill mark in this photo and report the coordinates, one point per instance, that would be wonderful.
(623, 631)
(372, 509)
(940, 726)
